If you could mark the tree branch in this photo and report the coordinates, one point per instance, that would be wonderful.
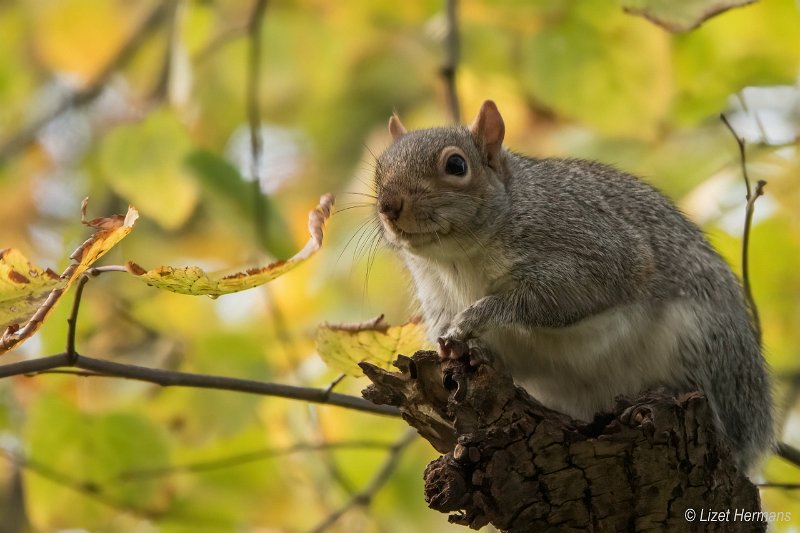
(510, 461)
(751, 197)
(254, 115)
(451, 57)
(172, 378)
(86, 487)
(249, 457)
(365, 497)
(789, 453)
(780, 486)
(171, 21)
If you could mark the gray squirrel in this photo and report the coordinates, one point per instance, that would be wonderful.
(585, 281)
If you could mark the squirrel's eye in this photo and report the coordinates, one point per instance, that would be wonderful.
(456, 165)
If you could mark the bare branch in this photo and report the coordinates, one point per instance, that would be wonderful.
(171, 378)
(249, 457)
(751, 197)
(451, 58)
(788, 453)
(742, 153)
(364, 498)
(748, 222)
(72, 321)
(70, 372)
(254, 114)
(220, 40)
(161, 86)
(780, 486)
(86, 487)
(334, 383)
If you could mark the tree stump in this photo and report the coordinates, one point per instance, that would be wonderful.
(654, 465)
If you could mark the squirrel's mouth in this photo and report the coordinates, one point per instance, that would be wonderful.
(413, 230)
(411, 239)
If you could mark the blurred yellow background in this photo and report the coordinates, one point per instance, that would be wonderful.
(142, 102)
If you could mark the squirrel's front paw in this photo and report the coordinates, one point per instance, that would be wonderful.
(453, 348)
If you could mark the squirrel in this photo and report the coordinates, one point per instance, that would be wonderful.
(585, 281)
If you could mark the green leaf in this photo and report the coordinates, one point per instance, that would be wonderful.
(680, 15)
(600, 67)
(343, 346)
(144, 164)
(89, 451)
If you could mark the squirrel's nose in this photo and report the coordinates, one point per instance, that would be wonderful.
(391, 207)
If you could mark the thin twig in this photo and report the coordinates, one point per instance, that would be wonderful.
(72, 320)
(161, 86)
(748, 222)
(27, 134)
(254, 27)
(751, 197)
(742, 154)
(85, 487)
(780, 486)
(254, 115)
(282, 333)
(789, 453)
(220, 40)
(334, 383)
(172, 378)
(249, 457)
(451, 58)
(365, 497)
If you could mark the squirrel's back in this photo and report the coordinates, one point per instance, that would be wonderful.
(639, 231)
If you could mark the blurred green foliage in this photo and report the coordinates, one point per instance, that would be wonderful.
(578, 78)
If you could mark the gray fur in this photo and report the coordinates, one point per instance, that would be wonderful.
(586, 280)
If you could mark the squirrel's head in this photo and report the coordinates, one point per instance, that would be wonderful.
(435, 186)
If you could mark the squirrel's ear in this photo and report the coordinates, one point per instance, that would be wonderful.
(396, 127)
(488, 129)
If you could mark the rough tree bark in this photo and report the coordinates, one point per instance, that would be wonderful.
(653, 465)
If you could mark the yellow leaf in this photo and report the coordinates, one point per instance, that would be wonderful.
(343, 346)
(23, 287)
(195, 281)
(28, 293)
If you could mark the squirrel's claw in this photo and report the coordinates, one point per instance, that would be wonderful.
(478, 353)
(450, 348)
(638, 415)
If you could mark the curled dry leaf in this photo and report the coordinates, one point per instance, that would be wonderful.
(28, 293)
(680, 15)
(195, 281)
(343, 346)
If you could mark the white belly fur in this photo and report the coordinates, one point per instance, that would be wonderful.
(580, 369)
